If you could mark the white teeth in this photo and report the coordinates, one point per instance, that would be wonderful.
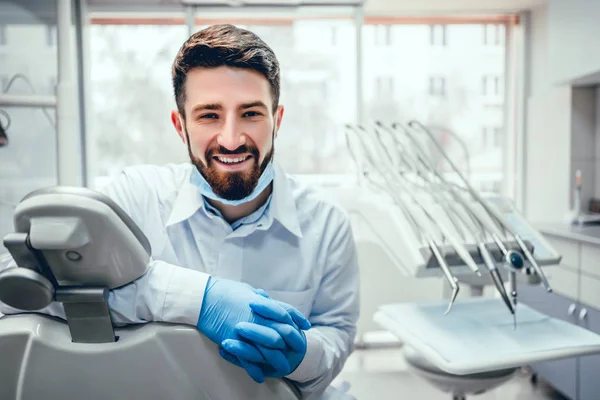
(231, 160)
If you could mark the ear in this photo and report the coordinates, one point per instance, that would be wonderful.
(278, 118)
(177, 121)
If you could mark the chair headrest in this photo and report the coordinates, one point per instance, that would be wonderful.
(84, 192)
(84, 236)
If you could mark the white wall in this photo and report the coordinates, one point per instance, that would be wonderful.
(547, 140)
(574, 33)
(562, 132)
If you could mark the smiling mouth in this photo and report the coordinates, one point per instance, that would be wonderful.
(232, 160)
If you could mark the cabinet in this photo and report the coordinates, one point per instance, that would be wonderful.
(562, 374)
(576, 301)
(589, 384)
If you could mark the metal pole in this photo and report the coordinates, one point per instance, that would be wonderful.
(80, 40)
(523, 90)
(358, 22)
(24, 100)
(190, 19)
(68, 150)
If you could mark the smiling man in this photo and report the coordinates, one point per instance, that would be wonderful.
(262, 265)
(245, 218)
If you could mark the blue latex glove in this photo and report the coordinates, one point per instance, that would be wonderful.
(227, 303)
(258, 361)
(271, 363)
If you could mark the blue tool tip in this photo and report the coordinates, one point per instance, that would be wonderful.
(516, 260)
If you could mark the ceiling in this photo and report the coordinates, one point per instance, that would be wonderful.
(400, 7)
(44, 11)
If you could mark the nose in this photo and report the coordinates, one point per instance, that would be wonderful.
(231, 136)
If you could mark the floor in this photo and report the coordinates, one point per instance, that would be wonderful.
(382, 374)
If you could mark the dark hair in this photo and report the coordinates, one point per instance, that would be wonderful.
(224, 45)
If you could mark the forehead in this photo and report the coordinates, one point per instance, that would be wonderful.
(227, 86)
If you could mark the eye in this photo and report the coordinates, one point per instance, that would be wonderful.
(251, 114)
(208, 116)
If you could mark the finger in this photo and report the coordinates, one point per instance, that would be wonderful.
(260, 334)
(277, 359)
(252, 370)
(262, 293)
(229, 357)
(243, 350)
(297, 316)
(270, 309)
(294, 338)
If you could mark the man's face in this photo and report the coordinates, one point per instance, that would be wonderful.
(229, 127)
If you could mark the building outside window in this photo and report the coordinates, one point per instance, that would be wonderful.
(494, 34)
(437, 35)
(318, 90)
(492, 85)
(437, 86)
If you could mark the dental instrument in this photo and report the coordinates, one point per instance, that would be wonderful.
(419, 226)
(481, 245)
(488, 208)
(485, 254)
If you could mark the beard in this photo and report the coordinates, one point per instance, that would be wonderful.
(231, 185)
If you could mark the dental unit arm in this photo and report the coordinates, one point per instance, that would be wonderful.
(461, 227)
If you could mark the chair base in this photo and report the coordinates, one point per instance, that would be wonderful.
(459, 386)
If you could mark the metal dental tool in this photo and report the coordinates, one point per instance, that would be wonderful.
(419, 226)
(483, 250)
(460, 249)
(488, 208)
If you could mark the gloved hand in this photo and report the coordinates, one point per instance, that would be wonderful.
(259, 361)
(267, 324)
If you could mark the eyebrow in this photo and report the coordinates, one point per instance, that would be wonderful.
(253, 104)
(202, 107)
(218, 107)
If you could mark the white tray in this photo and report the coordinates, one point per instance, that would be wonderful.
(478, 335)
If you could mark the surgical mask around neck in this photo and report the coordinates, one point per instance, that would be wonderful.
(206, 190)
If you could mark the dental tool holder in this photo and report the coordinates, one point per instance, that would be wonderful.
(458, 266)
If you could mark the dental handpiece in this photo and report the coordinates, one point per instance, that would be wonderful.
(513, 293)
(496, 277)
(444, 267)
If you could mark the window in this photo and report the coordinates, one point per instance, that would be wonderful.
(492, 137)
(437, 86)
(385, 87)
(50, 35)
(494, 35)
(437, 35)
(3, 38)
(3, 83)
(498, 137)
(52, 84)
(334, 35)
(492, 85)
(318, 90)
(484, 137)
(383, 35)
(30, 161)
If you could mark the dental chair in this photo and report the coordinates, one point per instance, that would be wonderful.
(73, 245)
